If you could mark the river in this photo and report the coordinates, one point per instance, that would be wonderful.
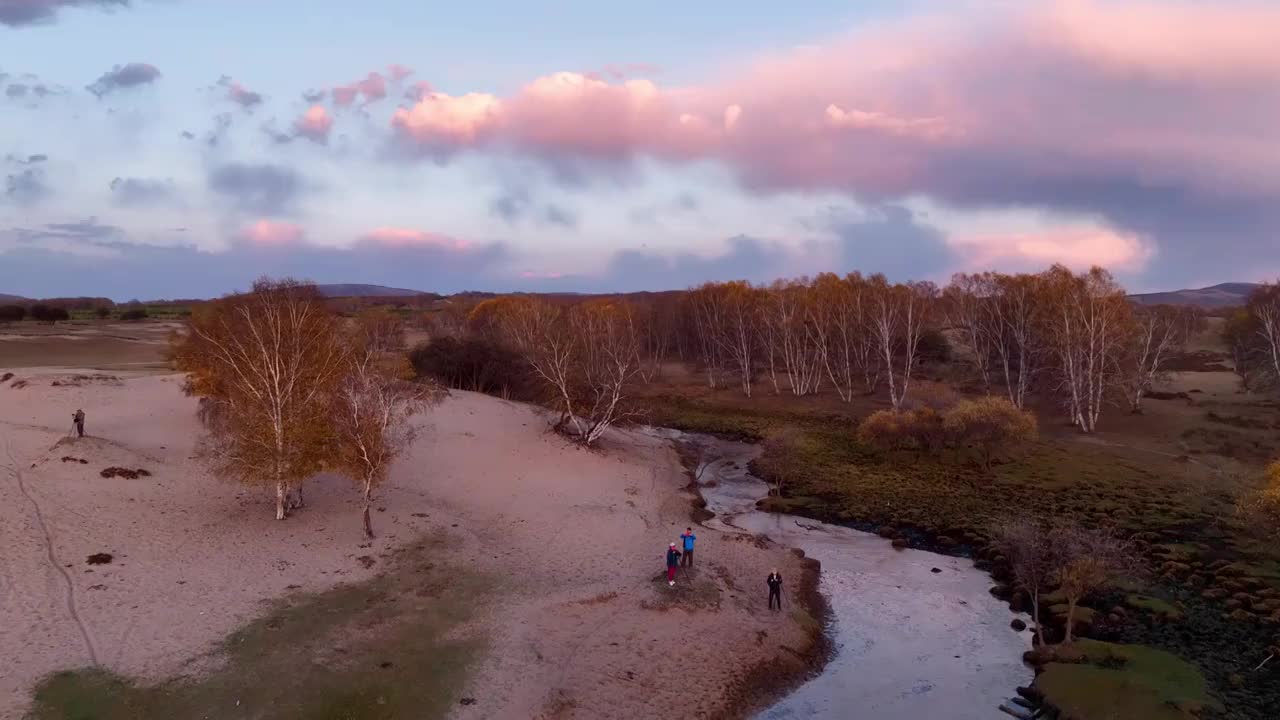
(916, 634)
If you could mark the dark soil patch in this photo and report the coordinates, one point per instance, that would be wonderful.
(100, 559)
(1199, 361)
(5, 377)
(68, 458)
(112, 472)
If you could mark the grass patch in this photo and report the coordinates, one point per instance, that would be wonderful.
(692, 591)
(1154, 606)
(1091, 680)
(375, 650)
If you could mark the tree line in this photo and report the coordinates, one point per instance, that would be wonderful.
(1066, 339)
(288, 389)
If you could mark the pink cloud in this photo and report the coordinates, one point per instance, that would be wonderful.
(541, 275)
(406, 237)
(373, 87)
(1075, 247)
(270, 232)
(242, 96)
(398, 72)
(314, 124)
(1009, 107)
(344, 95)
(418, 91)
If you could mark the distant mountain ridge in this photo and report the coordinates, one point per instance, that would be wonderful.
(359, 290)
(13, 298)
(1221, 295)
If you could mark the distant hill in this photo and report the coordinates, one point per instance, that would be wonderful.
(356, 290)
(1216, 296)
(13, 298)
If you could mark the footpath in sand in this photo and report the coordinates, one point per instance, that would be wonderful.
(581, 624)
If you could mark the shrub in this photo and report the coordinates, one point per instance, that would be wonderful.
(102, 312)
(933, 346)
(921, 429)
(989, 424)
(134, 314)
(884, 430)
(473, 363)
(41, 312)
(12, 313)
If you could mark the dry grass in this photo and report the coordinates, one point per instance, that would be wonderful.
(86, 344)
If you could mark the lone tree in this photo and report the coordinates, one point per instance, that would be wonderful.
(371, 411)
(1032, 560)
(266, 364)
(1088, 560)
(989, 425)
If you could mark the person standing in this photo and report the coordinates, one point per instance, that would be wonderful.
(686, 560)
(78, 419)
(775, 589)
(673, 561)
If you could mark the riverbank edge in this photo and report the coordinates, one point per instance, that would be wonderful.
(773, 678)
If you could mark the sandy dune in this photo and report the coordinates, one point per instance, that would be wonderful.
(575, 537)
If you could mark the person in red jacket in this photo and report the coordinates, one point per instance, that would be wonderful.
(673, 561)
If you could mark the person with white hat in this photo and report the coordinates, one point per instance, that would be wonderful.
(673, 561)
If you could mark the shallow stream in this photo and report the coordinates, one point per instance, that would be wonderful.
(916, 634)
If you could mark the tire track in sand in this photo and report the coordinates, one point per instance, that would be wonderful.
(52, 557)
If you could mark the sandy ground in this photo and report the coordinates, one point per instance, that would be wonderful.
(575, 537)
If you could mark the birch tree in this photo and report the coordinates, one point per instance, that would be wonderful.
(1032, 557)
(706, 306)
(586, 356)
(1015, 325)
(1157, 334)
(1089, 319)
(739, 336)
(966, 304)
(898, 316)
(786, 320)
(265, 364)
(1264, 307)
(371, 412)
(609, 345)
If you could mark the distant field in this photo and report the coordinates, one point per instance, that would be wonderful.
(100, 345)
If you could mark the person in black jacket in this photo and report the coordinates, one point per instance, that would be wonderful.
(775, 589)
(673, 562)
(78, 421)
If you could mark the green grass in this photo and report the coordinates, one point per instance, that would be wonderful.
(1094, 680)
(375, 650)
(1154, 606)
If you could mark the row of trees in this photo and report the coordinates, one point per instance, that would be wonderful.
(40, 312)
(1253, 334)
(585, 356)
(44, 312)
(1064, 337)
(288, 390)
(1074, 337)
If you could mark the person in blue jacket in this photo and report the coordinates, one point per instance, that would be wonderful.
(687, 539)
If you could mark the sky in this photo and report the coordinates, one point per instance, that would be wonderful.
(181, 148)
